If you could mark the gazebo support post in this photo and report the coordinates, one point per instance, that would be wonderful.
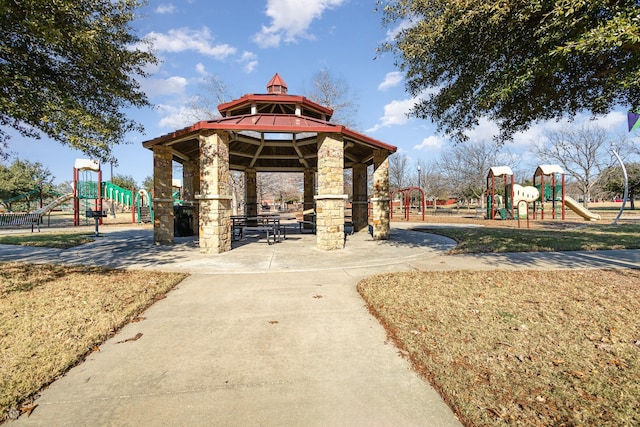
(308, 201)
(380, 199)
(360, 209)
(162, 201)
(330, 200)
(191, 186)
(251, 193)
(215, 193)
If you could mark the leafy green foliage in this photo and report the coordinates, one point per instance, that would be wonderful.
(613, 181)
(124, 181)
(68, 68)
(26, 178)
(515, 62)
(147, 184)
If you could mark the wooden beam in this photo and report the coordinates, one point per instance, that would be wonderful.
(300, 155)
(258, 151)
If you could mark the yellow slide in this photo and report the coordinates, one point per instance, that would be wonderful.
(580, 210)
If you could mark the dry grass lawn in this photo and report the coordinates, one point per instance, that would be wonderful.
(52, 316)
(534, 348)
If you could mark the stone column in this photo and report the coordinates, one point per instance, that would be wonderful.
(309, 192)
(331, 198)
(162, 200)
(250, 192)
(360, 210)
(215, 193)
(380, 199)
(191, 186)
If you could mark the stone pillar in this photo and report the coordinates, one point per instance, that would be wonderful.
(162, 200)
(250, 192)
(215, 193)
(309, 192)
(331, 198)
(191, 186)
(380, 199)
(360, 210)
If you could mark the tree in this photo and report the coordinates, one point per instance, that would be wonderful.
(465, 167)
(335, 93)
(24, 181)
(68, 69)
(515, 62)
(613, 181)
(434, 183)
(212, 92)
(124, 181)
(280, 186)
(147, 184)
(582, 152)
(398, 171)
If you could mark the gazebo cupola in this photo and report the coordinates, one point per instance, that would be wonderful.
(275, 101)
(277, 85)
(270, 132)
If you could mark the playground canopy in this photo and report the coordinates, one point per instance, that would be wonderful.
(499, 171)
(548, 170)
(86, 165)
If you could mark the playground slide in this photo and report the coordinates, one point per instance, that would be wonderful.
(580, 210)
(60, 200)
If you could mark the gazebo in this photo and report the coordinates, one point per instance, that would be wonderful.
(272, 132)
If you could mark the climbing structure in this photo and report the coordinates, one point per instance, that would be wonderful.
(87, 194)
(552, 190)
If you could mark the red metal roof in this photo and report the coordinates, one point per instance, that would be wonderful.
(273, 98)
(269, 123)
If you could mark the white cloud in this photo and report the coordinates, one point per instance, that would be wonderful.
(200, 69)
(171, 86)
(431, 143)
(290, 20)
(391, 79)
(175, 117)
(249, 61)
(486, 130)
(185, 39)
(395, 113)
(165, 9)
(614, 121)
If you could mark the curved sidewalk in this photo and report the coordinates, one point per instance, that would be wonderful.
(262, 335)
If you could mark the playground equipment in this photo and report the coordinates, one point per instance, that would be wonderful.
(85, 189)
(549, 191)
(25, 198)
(577, 207)
(548, 186)
(495, 204)
(33, 218)
(406, 200)
(138, 202)
(555, 193)
(516, 197)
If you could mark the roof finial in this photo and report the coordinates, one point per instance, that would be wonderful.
(276, 85)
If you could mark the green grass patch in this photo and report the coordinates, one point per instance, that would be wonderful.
(500, 239)
(48, 240)
(52, 316)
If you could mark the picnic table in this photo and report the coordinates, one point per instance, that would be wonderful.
(270, 224)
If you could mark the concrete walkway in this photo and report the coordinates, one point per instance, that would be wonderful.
(262, 335)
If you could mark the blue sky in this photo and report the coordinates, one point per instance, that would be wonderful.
(245, 43)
